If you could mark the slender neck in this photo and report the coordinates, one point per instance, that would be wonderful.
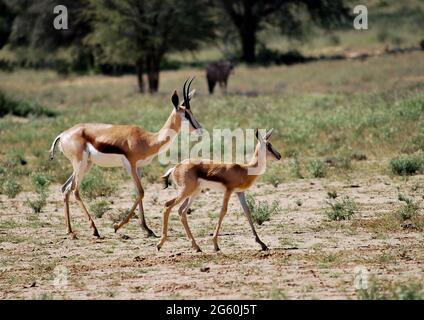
(258, 161)
(169, 130)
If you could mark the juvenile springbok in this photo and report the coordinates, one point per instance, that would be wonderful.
(110, 145)
(191, 176)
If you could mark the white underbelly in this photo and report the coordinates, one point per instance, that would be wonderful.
(213, 185)
(104, 159)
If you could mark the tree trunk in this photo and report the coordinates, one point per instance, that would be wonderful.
(248, 42)
(153, 73)
(140, 69)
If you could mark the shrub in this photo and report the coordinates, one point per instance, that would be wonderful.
(295, 168)
(38, 204)
(317, 168)
(408, 210)
(407, 165)
(262, 210)
(99, 208)
(342, 209)
(273, 175)
(41, 184)
(96, 184)
(414, 290)
(22, 108)
(11, 188)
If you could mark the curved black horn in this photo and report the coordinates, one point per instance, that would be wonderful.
(186, 93)
(185, 97)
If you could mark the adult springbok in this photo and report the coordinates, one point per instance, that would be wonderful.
(109, 145)
(191, 176)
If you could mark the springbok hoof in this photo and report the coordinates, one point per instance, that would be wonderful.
(151, 234)
(72, 236)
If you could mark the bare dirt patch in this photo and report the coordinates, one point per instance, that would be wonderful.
(309, 257)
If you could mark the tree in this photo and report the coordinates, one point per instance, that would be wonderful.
(250, 16)
(33, 29)
(142, 32)
(6, 18)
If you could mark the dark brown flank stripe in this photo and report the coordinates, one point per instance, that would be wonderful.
(102, 146)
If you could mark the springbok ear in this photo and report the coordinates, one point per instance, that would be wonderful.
(268, 134)
(175, 100)
(258, 136)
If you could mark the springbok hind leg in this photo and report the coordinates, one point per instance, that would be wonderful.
(66, 191)
(182, 211)
(248, 215)
(82, 170)
(166, 211)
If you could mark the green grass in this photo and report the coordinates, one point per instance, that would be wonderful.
(318, 110)
(22, 108)
(380, 290)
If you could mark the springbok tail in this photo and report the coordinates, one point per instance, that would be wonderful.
(54, 144)
(165, 177)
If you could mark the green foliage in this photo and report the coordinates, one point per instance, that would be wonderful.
(407, 165)
(99, 208)
(97, 184)
(41, 183)
(377, 290)
(317, 168)
(11, 188)
(295, 167)
(22, 108)
(342, 209)
(37, 204)
(273, 175)
(408, 210)
(262, 210)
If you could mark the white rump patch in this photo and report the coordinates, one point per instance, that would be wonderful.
(104, 159)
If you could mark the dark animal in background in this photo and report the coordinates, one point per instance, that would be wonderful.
(219, 72)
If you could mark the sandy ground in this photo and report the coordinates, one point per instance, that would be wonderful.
(310, 257)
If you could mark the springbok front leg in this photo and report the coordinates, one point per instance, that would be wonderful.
(248, 215)
(221, 217)
(139, 201)
(140, 191)
(182, 211)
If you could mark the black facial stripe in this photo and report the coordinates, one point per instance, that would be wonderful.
(272, 150)
(188, 117)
